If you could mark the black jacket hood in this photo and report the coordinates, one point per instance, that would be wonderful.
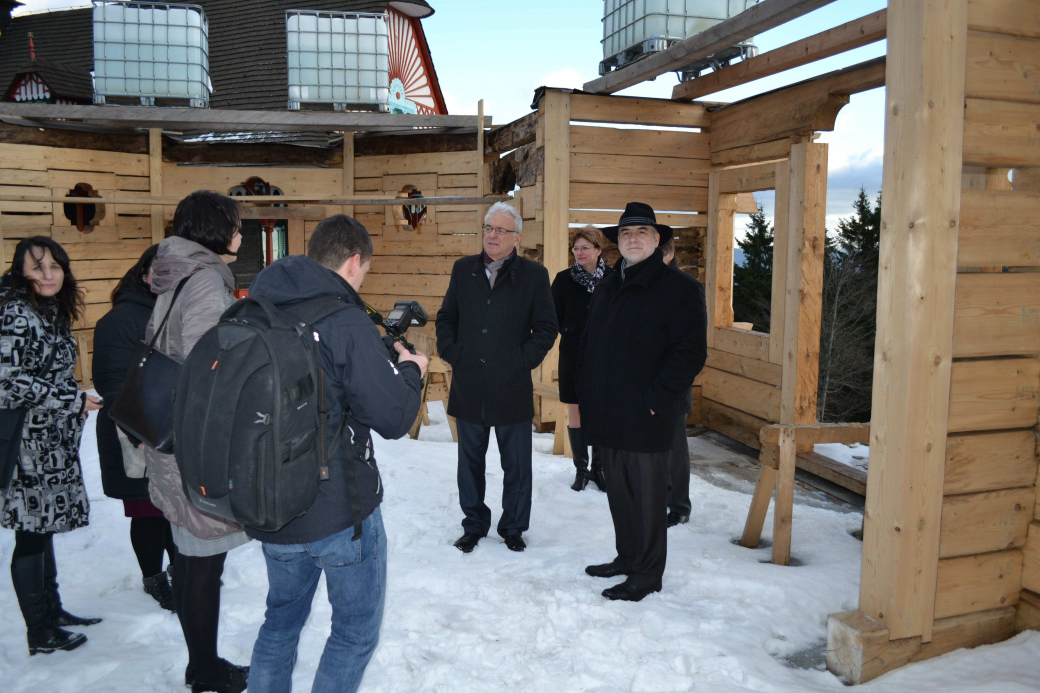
(298, 278)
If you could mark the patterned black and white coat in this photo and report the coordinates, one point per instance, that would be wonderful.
(47, 493)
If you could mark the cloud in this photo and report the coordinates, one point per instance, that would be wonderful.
(565, 78)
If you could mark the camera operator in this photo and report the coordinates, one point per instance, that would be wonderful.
(362, 383)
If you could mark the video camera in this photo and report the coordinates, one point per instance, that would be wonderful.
(403, 315)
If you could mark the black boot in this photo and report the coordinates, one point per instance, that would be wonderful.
(58, 615)
(159, 588)
(597, 470)
(44, 637)
(580, 455)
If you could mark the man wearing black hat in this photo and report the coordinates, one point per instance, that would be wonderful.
(648, 328)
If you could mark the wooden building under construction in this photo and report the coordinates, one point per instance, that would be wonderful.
(951, 553)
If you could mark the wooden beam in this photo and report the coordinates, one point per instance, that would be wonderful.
(268, 200)
(795, 111)
(314, 213)
(815, 434)
(858, 32)
(783, 508)
(555, 125)
(759, 507)
(155, 173)
(859, 648)
(918, 259)
(631, 110)
(230, 120)
(762, 17)
(803, 295)
(513, 135)
(849, 478)
(347, 184)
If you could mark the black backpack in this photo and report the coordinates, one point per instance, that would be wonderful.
(249, 414)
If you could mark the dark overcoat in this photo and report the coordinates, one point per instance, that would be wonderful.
(572, 313)
(116, 337)
(648, 335)
(493, 338)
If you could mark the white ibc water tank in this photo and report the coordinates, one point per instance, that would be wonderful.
(151, 50)
(635, 27)
(338, 58)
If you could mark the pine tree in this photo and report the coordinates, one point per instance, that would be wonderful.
(849, 321)
(753, 283)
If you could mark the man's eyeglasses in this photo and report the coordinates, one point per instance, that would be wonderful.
(496, 230)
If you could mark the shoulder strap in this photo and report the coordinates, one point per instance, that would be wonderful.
(355, 500)
(317, 309)
(162, 325)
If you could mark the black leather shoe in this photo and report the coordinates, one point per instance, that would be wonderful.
(189, 671)
(467, 542)
(514, 542)
(232, 679)
(677, 519)
(158, 587)
(605, 570)
(629, 591)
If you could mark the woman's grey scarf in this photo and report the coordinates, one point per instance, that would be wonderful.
(585, 278)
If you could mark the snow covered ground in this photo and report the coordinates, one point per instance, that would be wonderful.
(854, 455)
(499, 621)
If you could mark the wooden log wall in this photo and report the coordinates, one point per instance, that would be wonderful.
(594, 163)
(952, 537)
(107, 249)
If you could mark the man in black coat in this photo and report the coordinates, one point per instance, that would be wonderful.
(496, 324)
(648, 327)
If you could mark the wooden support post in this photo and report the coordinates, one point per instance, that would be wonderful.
(783, 508)
(347, 184)
(803, 295)
(155, 182)
(3, 254)
(756, 518)
(480, 168)
(561, 444)
(556, 126)
(82, 353)
(920, 220)
(297, 244)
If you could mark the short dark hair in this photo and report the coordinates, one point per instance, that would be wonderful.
(208, 218)
(133, 280)
(667, 247)
(337, 239)
(69, 300)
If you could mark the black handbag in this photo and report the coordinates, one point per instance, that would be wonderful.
(12, 421)
(144, 405)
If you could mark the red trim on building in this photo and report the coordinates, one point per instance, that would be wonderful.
(427, 59)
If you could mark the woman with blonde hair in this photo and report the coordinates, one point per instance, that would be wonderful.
(572, 291)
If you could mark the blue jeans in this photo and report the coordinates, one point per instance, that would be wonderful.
(355, 574)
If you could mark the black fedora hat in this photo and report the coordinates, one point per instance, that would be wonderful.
(638, 214)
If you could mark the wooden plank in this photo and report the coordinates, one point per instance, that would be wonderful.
(37, 158)
(101, 269)
(783, 508)
(993, 394)
(748, 178)
(795, 111)
(70, 179)
(982, 522)
(636, 111)
(728, 421)
(1028, 615)
(815, 434)
(859, 648)
(127, 248)
(235, 120)
(513, 135)
(843, 475)
(1016, 17)
(646, 170)
(134, 183)
(751, 368)
(759, 507)
(418, 284)
(1004, 68)
(858, 32)
(997, 314)
(719, 254)
(310, 212)
(746, 343)
(978, 583)
(26, 197)
(751, 396)
(803, 297)
(998, 228)
(1001, 133)
(40, 179)
(1031, 559)
(557, 112)
(762, 17)
(989, 461)
(781, 244)
(395, 264)
(667, 198)
(155, 178)
(439, 162)
(586, 139)
(912, 372)
(754, 153)
(607, 218)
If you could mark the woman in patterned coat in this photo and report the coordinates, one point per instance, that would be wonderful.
(46, 495)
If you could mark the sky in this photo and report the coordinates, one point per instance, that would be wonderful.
(501, 52)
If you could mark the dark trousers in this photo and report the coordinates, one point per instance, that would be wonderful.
(679, 470)
(514, 444)
(637, 492)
